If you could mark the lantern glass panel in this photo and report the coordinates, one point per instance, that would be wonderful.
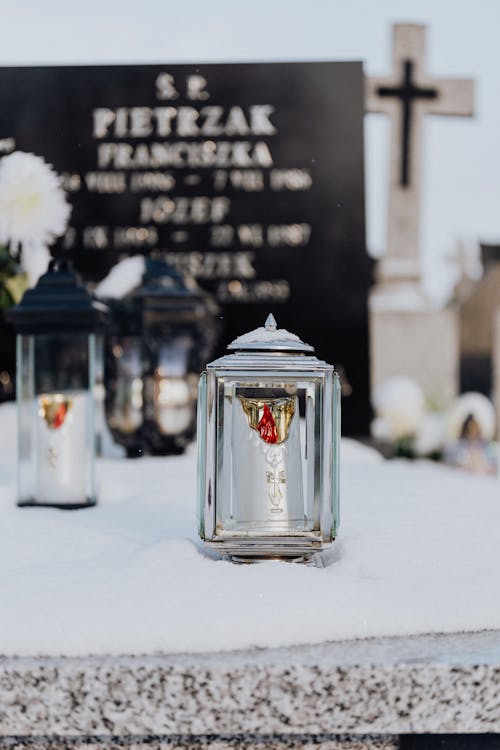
(201, 433)
(173, 397)
(274, 489)
(55, 382)
(124, 398)
(336, 454)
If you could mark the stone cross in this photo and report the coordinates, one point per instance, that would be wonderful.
(406, 96)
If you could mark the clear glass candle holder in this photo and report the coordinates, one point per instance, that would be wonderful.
(268, 431)
(56, 420)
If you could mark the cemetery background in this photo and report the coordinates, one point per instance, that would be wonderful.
(451, 211)
(453, 217)
(460, 198)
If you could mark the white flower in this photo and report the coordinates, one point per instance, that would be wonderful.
(33, 209)
(479, 407)
(400, 404)
(122, 279)
(35, 260)
(430, 437)
(380, 430)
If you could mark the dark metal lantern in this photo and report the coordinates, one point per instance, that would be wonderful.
(160, 336)
(56, 324)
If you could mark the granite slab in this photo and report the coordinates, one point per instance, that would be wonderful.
(425, 684)
(202, 742)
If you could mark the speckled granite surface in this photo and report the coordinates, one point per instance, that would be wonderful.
(376, 687)
(260, 742)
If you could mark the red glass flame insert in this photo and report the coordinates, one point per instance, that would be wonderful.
(267, 426)
(60, 416)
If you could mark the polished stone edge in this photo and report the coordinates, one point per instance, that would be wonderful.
(457, 649)
(206, 742)
(433, 684)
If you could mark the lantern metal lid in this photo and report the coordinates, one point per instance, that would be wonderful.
(58, 303)
(269, 338)
(163, 288)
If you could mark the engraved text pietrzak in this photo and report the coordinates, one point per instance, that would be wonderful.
(149, 152)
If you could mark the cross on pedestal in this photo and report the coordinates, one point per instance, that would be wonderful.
(407, 92)
(406, 96)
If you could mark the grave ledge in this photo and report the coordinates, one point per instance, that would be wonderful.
(344, 694)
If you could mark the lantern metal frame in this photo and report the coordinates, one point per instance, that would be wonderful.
(279, 363)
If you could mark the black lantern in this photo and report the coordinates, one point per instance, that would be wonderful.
(56, 325)
(160, 336)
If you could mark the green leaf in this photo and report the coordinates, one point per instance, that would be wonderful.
(7, 263)
(16, 286)
(6, 300)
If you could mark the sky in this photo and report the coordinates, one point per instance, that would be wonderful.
(461, 170)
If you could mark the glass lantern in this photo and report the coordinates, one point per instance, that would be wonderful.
(56, 324)
(268, 461)
(162, 333)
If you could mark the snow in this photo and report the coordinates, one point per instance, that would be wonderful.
(265, 336)
(418, 552)
(122, 279)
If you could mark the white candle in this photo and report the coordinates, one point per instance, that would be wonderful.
(63, 444)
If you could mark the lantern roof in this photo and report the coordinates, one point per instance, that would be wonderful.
(163, 287)
(59, 303)
(269, 338)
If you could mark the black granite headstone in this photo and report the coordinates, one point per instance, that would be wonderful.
(247, 176)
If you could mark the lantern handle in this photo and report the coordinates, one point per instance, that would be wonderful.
(60, 264)
(270, 324)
